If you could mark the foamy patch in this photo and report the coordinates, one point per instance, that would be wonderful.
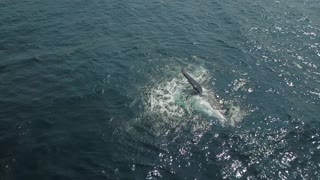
(168, 98)
(235, 114)
(175, 98)
(239, 84)
(162, 99)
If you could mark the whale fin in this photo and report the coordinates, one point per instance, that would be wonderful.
(196, 86)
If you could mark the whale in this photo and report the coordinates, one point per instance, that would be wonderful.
(196, 86)
(202, 103)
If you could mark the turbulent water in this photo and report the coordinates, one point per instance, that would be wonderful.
(94, 89)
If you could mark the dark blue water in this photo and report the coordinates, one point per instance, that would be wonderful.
(86, 85)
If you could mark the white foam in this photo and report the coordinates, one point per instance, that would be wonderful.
(239, 84)
(174, 98)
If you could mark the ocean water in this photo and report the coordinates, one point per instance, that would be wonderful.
(94, 90)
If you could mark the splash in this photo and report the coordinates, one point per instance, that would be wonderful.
(174, 98)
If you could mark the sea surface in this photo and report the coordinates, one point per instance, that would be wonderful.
(94, 89)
